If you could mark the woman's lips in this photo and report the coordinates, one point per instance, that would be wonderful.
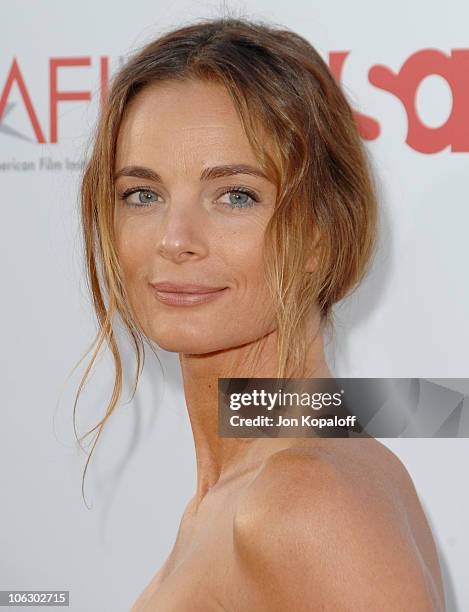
(186, 299)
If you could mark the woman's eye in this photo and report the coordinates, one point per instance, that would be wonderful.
(140, 197)
(239, 198)
(233, 198)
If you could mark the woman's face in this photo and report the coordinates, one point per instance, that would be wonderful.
(182, 227)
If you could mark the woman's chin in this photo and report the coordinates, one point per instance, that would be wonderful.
(187, 347)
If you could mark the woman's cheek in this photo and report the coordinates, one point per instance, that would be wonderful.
(132, 248)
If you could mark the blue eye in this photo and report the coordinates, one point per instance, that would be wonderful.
(142, 199)
(240, 197)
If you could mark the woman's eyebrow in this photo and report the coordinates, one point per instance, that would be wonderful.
(206, 174)
(230, 169)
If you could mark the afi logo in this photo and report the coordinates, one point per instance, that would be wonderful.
(55, 96)
(454, 68)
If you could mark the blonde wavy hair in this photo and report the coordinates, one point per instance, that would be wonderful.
(326, 205)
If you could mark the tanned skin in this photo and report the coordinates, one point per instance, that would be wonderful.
(275, 524)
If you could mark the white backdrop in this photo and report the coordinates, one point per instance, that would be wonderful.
(408, 319)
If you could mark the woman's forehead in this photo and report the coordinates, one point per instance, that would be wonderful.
(184, 105)
(184, 121)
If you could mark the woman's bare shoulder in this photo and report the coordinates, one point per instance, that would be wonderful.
(341, 521)
(313, 471)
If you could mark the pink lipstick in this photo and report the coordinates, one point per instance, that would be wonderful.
(185, 294)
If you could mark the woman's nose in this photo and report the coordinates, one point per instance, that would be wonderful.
(183, 233)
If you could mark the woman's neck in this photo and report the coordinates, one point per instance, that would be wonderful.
(220, 458)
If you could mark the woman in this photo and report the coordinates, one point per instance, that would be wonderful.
(227, 205)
